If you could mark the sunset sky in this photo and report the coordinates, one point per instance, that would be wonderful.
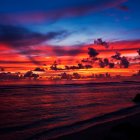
(38, 32)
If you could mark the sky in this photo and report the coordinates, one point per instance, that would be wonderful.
(48, 30)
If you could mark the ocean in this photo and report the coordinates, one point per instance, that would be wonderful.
(42, 111)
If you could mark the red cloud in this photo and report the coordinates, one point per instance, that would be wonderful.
(48, 53)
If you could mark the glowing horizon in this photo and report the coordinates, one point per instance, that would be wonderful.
(38, 35)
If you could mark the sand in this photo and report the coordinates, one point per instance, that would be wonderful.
(124, 128)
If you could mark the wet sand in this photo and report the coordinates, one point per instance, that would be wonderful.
(125, 128)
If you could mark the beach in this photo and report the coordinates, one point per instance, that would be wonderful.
(69, 70)
(86, 110)
(125, 128)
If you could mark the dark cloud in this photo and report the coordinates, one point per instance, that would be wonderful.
(39, 69)
(30, 74)
(106, 61)
(101, 63)
(111, 65)
(117, 56)
(92, 52)
(124, 62)
(61, 51)
(99, 41)
(21, 39)
(17, 36)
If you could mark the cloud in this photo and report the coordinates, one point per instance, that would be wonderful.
(117, 56)
(117, 46)
(92, 52)
(21, 39)
(57, 11)
(48, 50)
(17, 36)
(68, 51)
(99, 41)
(82, 49)
(42, 54)
(124, 62)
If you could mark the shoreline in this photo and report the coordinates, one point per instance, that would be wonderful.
(98, 128)
(104, 130)
(91, 128)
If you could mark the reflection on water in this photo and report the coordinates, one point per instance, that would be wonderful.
(28, 112)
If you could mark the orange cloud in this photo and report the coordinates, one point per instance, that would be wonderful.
(65, 55)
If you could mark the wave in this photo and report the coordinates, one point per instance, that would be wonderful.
(78, 126)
